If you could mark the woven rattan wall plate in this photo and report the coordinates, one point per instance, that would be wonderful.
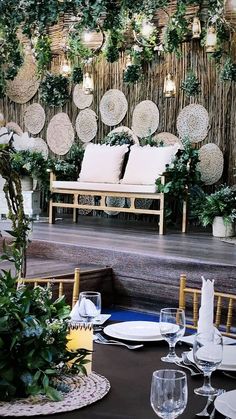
(86, 125)
(60, 134)
(88, 200)
(39, 145)
(211, 163)
(13, 126)
(128, 130)
(34, 118)
(84, 391)
(113, 107)
(167, 138)
(81, 100)
(193, 122)
(114, 201)
(25, 84)
(145, 119)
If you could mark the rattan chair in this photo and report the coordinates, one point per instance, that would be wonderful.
(60, 282)
(223, 303)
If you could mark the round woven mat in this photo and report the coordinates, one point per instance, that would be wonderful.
(145, 119)
(83, 391)
(193, 122)
(39, 145)
(81, 100)
(86, 125)
(167, 138)
(60, 134)
(13, 126)
(88, 200)
(211, 163)
(128, 130)
(141, 203)
(113, 107)
(34, 118)
(114, 201)
(25, 84)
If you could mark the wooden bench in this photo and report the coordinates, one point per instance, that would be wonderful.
(76, 189)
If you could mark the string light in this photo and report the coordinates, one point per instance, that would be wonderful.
(147, 29)
(65, 68)
(88, 85)
(169, 86)
(211, 39)
(196, 28)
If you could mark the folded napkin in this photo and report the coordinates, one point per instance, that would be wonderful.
(86, 308)
(206, 312)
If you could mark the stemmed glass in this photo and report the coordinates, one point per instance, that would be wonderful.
(207, 354)
(89, 305)
(172, 328)
(169, 393)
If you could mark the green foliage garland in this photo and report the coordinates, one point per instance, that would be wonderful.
(43, 53)
(132, 73)
(54, 90)
(77, 75)
(69, 167)
(228, 71)
(191, 85)
(118, 138)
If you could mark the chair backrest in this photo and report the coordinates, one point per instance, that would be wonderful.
(222, 300)
(60, 282)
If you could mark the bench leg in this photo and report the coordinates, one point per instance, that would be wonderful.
(161, 219)
(51, 212)
(184, 218)
(75, 215)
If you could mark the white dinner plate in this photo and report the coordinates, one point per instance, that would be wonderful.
(135, 330)
(190, 339)
(226, 404)
(228, 361)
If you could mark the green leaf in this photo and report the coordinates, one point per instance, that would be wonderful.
(53, 394)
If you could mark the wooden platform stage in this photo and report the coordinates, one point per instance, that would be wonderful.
(145, 266)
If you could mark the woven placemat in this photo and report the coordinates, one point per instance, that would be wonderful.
(128, 130)
(83, 392)
(80, 99)
(34, 118)
(39, 145)
(60, 134)
(145, 119)
(211, 163)
(193, 122)
(113, 107)
(86, 125)
(24, 86)
(167, 138)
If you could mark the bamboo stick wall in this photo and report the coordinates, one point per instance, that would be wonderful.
(217, 97)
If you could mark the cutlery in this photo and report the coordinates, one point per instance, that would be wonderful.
(193, 373)
(186, 361)
(101, 339)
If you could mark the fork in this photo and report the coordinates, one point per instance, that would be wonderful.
(193, 373)
(186, 361)
(101, 339)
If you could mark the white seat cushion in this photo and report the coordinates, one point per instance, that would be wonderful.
(86, 186)
(147, 163)
(102, 163)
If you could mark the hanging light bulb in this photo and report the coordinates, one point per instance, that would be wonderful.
(160, 49)
(211, 39)
(88, 85)
(65, 68)
(169, 86)
(147, 29)
(196, 28)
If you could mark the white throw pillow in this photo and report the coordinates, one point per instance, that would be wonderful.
(102, 163)
(147, 163)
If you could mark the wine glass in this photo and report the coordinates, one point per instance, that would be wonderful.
(169, 393)
(172, 328)
(89, 305)
(207, 354)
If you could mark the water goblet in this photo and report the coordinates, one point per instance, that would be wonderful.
(172, 328)
(89, 305)
(169, 393)
(207, 354)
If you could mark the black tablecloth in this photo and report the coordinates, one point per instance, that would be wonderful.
(129, 373)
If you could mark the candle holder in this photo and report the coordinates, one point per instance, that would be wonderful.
(80, 336)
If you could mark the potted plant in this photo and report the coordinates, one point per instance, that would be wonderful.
(219, 210)
(30, 165)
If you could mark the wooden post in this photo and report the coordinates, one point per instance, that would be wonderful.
(51, 208)
(76, 286)
(182, 287)
(75, 210)
(185, 212)
(162, 210)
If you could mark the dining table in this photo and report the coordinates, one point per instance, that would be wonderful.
(129, 373)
